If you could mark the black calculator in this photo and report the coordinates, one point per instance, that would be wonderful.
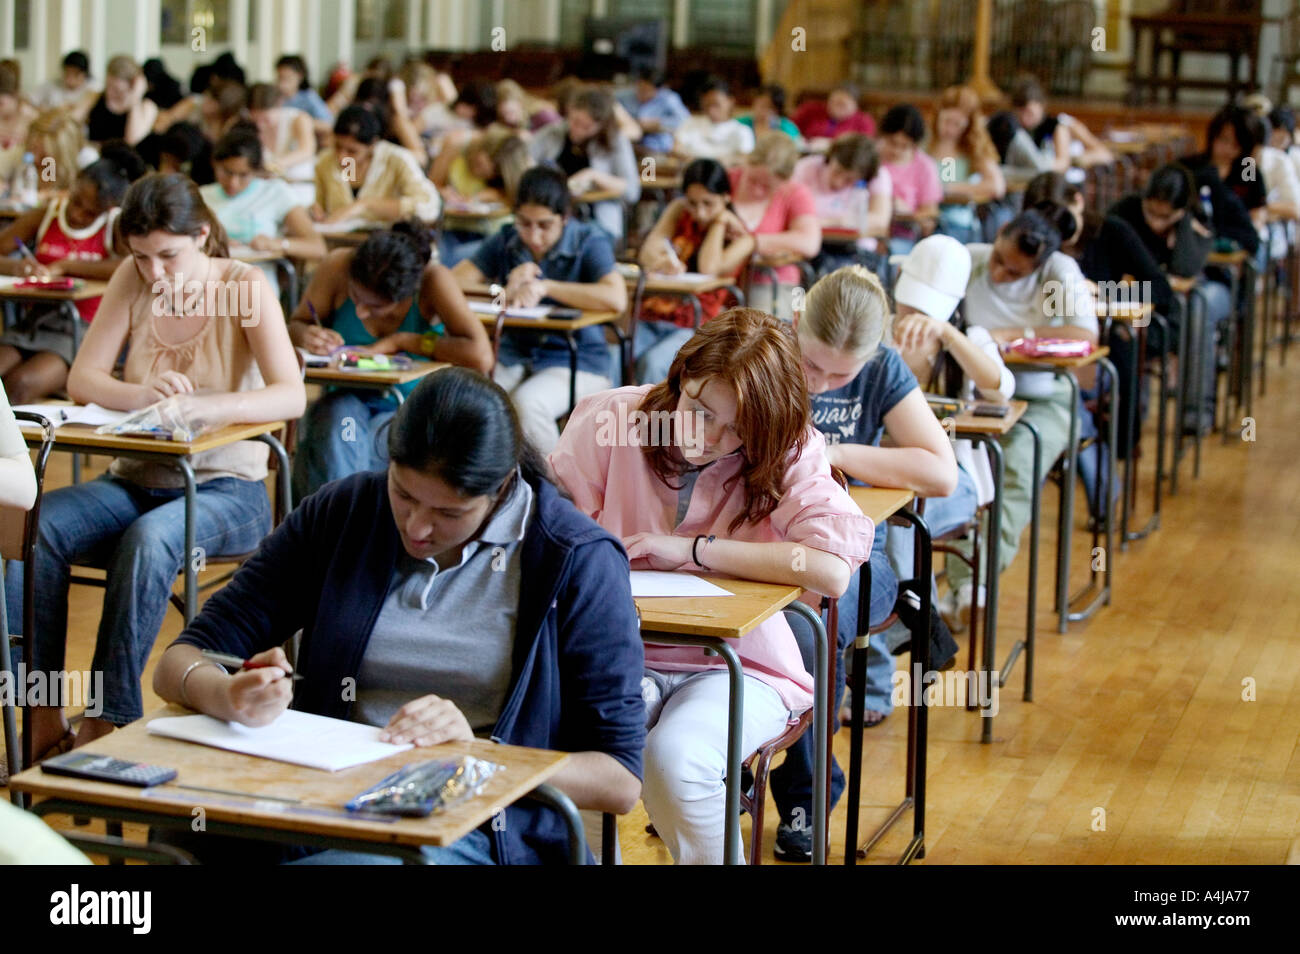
(105, 768)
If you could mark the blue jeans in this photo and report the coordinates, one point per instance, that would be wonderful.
(791, 781)
(1218, 308)
(473, 849)
(942, 515)
(343, 433)
(654, 345)
(138, 535)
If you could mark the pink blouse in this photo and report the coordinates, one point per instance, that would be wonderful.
(609, 478)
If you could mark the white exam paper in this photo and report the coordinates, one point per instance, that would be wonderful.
(299, 738)
(662, 583)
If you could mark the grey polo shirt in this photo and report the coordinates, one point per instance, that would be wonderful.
(450, 631)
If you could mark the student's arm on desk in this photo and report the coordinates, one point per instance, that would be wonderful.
(922, 459)
(464, 341)
(322, 291)
(802, 238)
(607, 294)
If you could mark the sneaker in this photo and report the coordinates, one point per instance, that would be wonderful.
(793, 846)
(952, 615)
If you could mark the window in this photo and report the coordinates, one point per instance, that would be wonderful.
(395, 20)
(22, 24)
(181, 17)
(366, 12)
(572, 13)
(723, 24)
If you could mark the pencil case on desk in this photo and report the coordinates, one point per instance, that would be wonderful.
(425, 788)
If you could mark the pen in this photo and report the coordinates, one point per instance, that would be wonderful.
(27, 253)
(315, 318)
(234, 662)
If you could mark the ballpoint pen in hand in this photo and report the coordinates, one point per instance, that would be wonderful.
(234, 662)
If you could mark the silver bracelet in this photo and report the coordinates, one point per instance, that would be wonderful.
(186, 674)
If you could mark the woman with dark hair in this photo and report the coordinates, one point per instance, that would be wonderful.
(72, 235)
(363, 177)
(1020, 286)
(387, 97)
(198, 364)
(1230, 143)
(714, 133)
(915, 176)
(385, 297)
(737, 484)
(161, 87)
(381, 571)
(546, 257)
(296, 91)
(261, 213)
(767, 111)
(698, 232)
(836, 115)
(1171, 222)
(588, 148)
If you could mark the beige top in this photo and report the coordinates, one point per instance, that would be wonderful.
(216, 359)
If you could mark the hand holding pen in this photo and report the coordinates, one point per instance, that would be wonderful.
(317, 338)
(33, 267)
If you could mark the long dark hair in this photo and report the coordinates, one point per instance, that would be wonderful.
(460, 426)
(113, 172)
(1051, 188)
(1172, 183)
(1037, 232)
(171, 203)
(390, 263)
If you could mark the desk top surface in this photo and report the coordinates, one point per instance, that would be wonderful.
(335, 375)
(1013, 359)
(727, 617)
(881, 503)
(90, 288)
(320, 795)
(77, 435)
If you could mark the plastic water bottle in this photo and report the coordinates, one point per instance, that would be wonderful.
(1206, 205)
(860, 206)
(28, 180)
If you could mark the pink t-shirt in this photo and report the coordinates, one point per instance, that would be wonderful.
(609, 479)
(790, 200)
(814, 173)
(917, 182)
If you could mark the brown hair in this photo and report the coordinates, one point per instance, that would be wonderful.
(170, 203)
(857, 153)
(11, 83)
(776, 151)
(599, 105)
(975, 141)
(758, 357)
(262, 96)
(123, 67)
(63, 139)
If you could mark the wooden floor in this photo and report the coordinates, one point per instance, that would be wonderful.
(1141, 745)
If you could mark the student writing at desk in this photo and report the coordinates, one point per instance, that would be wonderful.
(216, 369)
(860, 391)
(698, 232)
(70, 235)
(740, 486)
(546, 257)
(385, 297)
(380, 571)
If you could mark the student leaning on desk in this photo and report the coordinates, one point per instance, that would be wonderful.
(215, 367)
(384, 572)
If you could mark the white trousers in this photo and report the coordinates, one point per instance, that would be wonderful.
(542, 398)
(686, 756)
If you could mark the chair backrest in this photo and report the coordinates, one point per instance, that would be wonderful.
(16, 542)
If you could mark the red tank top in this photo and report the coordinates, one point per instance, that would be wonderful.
(56, 240)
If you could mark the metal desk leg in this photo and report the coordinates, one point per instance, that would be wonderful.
(822, 696)
(1065, 520)
(991, 589)
(191, 573)
(573, 370)
(1194, 356)
(1105, 508)
(1035, 513)
(552, 797)
(857, 706)
(282, 482)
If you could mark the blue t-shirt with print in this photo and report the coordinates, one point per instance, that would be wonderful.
(855, 413)
(583, 254)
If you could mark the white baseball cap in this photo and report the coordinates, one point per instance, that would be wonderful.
(934, 277)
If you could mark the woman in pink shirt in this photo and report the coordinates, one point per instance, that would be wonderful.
(780, 213)
(917, 189)
(724, 473)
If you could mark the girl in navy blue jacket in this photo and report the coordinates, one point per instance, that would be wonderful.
(455, 595)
